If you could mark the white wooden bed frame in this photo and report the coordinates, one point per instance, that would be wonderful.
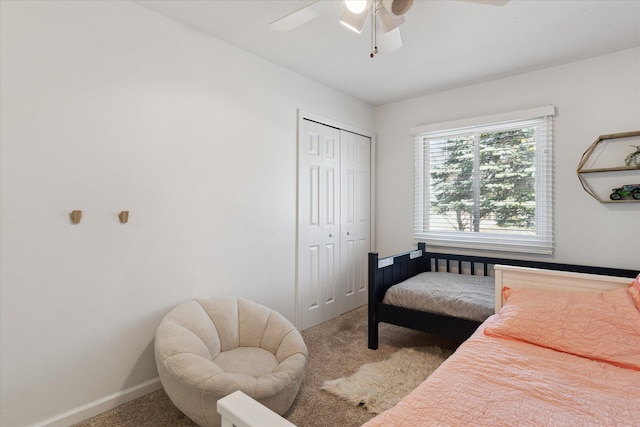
(565, 281)
(239, 410)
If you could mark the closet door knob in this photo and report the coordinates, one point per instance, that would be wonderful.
(348, 233)
(330, 234)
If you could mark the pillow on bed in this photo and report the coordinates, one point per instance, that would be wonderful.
(634, 291)
(601, 326)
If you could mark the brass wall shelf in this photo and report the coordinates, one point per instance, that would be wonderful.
(601, 143)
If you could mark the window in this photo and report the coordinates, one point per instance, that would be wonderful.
(485, 183)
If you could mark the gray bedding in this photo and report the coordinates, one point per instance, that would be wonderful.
(457, 295)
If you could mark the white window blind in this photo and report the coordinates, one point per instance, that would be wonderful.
(486, 182)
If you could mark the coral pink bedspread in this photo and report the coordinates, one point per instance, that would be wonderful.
(492, 381)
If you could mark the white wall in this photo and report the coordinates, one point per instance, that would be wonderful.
(592, 98)
(107, 106)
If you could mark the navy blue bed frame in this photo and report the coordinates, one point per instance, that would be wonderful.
(386, 272)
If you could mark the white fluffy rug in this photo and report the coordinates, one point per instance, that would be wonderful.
(380, 385)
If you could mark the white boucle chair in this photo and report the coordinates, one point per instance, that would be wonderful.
(208, 348)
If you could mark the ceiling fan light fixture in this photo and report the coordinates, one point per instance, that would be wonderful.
(356, 6)
(354, 22)
(397, 7)
(387, 21)
(389, 41)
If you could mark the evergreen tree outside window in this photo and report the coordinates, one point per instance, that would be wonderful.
(487, 184)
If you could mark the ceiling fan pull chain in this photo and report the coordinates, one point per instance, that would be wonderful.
(374, 32)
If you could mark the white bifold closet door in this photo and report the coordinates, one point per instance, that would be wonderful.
(355, 224)
(334, 221)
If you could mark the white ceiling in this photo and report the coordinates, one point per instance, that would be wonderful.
(447, 43)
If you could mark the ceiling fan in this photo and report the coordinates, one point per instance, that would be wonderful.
(386, 16)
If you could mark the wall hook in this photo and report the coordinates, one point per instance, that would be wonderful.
(124, 217)
(76, 217)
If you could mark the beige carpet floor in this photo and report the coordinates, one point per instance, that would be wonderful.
(337, 348)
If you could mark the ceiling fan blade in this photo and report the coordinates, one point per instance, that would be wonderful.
(302, 16)
(389, 41)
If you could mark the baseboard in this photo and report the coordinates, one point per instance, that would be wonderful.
(99, 406)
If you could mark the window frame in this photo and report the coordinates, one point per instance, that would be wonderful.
(542, 241)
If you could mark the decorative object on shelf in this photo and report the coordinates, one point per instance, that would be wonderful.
(617, 168)
(633, 159)
(626, 191)
(76, 216)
